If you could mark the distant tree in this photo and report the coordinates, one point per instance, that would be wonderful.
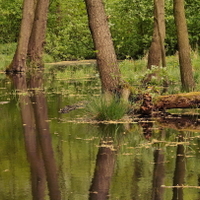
(157, 49)
(187, 78)
(32, 34)
(107, 63)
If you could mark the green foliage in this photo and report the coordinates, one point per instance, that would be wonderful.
(193, 18)
(6, 54)
(68, 35)
(10, 19)
(131, 24)
(107, 108)
(130, 21)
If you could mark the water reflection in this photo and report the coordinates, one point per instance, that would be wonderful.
(105, 162)
(104, 169)
(146, 159)
(179, 172)
(37, 136)
(158, 175)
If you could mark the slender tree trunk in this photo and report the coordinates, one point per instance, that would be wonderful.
(106, 58)
(157, 50)
(19, 61)
(184, 47)
(37, 39)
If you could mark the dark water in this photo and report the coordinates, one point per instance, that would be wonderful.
(45, 154)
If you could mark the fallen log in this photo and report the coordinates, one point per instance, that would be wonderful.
(182, 100)
(162, 103)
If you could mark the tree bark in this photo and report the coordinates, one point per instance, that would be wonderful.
(187, 79)
(37, 39)
(157, 49)
(106, 58)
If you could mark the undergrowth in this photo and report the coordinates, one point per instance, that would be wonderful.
(134, 71)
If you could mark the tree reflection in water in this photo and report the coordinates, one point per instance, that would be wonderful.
(158, 175)
(105, 164)
(37, 135)
(179, 173)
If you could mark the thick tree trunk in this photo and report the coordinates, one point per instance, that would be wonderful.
(37, 39)
(184, 47)
(157, 50)
(106, 58)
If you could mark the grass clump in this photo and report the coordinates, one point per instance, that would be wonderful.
(104, 108)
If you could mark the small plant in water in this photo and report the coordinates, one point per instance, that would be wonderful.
(104, 108)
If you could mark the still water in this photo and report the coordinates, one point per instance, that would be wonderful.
(45, 154)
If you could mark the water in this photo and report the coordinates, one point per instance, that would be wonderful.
(49, 155)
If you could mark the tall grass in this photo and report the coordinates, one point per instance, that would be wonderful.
(103, 108)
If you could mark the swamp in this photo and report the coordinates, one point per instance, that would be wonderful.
(47, 154)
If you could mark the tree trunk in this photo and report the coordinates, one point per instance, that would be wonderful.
(157, 50)
(32, 35)
(37, 39)
(18, 63)
(184, 47)
(106, 58)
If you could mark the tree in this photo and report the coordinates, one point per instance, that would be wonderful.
(37, 38)
(106, 58)
(187, 78)
(157, 49)
(32, 34)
